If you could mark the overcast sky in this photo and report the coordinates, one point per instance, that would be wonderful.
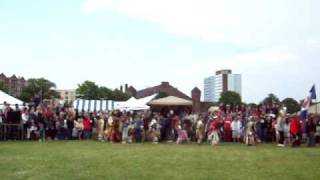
(274, 44)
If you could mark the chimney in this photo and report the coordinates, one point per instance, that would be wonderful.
(165, 84)
(196, 100)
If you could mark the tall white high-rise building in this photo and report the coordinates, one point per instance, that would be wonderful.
(223, 81)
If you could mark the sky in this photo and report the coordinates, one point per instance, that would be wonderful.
(274, 44)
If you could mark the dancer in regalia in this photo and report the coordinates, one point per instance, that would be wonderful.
(214, 131)
(200, 128)
(100, 127)
(250, 132)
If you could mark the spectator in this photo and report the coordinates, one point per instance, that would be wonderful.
(311, 130)
(86, 127)
(236, 129)
(295, 131)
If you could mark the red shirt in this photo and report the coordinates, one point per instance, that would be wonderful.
(227, 125)
(86, 123)
(49, 114)
(174, 122)
(295, 127)
(214, 125)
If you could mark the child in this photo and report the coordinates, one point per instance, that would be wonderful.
(182, 135)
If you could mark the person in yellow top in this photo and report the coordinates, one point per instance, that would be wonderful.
(200, 130)
(100, 130)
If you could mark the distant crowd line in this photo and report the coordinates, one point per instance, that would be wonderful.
(244, 124)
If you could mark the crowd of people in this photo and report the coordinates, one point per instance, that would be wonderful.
(251, 125)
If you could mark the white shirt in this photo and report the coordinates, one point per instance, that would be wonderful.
(24, 117)
(236, 126)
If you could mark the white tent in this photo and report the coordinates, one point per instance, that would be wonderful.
(4, 97)
(94, 105)
(170, 101)
(134, 104)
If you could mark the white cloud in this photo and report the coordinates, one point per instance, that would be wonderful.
(285, 34)
(247, 22)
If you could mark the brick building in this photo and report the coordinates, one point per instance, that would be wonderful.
(67, 95)
(13, 84)
(164, 87)
(129, 90)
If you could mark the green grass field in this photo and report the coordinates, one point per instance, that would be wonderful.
(94, 160)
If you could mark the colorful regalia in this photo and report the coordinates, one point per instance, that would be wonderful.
(214, 131)
(250, 133)
(200, 131)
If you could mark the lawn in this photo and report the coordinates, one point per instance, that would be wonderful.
(94, 160)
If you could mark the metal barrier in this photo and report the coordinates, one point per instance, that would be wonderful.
(6, 130)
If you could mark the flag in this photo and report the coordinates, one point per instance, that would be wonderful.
(307, 102)
(313, 94)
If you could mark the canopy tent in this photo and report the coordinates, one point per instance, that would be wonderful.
(170, 101)
(315, 109)
(94, 105)
(4, 97)
(134, 104)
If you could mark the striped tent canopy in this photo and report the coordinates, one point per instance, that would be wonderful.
(93, 105)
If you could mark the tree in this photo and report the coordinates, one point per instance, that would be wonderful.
(120, 96)
(231, 98)
(88, 90)
(271, 100)
(3, 88)
(291, 104)
(105, 93)
(41, 87)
